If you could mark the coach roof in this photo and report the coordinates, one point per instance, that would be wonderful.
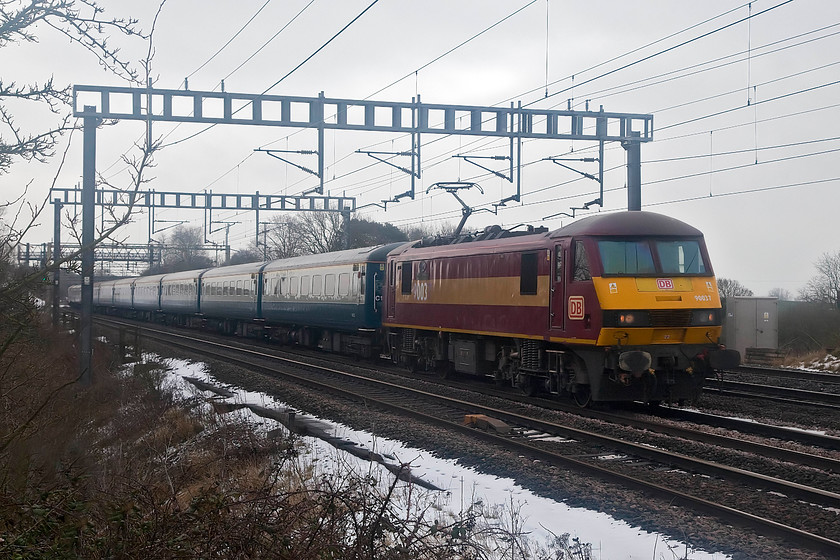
(628, 224)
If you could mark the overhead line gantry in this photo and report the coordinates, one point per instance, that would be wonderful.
(95, 103)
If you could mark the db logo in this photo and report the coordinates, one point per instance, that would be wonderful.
(576, 307)
(664, 283)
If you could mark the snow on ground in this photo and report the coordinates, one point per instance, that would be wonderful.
(500, 498)
(830, 363)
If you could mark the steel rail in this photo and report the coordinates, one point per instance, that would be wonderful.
(723, 441)
(787, 373)
(779, 394)
(770, 527)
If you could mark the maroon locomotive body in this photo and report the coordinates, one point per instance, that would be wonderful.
(613, 307)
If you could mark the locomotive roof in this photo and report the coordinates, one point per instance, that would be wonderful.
(633, 223)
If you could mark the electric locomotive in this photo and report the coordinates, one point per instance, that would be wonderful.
(614, 307)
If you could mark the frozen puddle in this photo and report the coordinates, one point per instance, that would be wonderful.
(453, 487)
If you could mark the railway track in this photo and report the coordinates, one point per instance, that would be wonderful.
(814, 389)
(788, 373)
(589, 449)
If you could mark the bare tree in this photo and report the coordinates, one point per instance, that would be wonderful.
(319, 232)
(825, 286)
(365, 233)
(419, 231)
(307, 233)
(732, 288)
(83, 23)
(247, 255)
(183, 249)
(281, 238)
(91, 31)
(781, 294)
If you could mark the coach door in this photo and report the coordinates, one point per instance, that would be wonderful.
(392, 289)
(558, 288)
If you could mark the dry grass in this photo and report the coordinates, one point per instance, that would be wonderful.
(126, 469)
(818, 360)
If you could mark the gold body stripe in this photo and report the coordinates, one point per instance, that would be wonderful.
(494, 290)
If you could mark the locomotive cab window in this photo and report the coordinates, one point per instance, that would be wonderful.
(406, 278)
(581, 271)
(680, 257)
(528, 274)
(558, 263)
(626, 257)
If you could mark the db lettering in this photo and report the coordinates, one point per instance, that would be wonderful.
(576, 307)
(664, 283)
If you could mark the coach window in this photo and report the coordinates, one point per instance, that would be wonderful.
(294, 282)
(329, 285)
(582, 271)
(282, 288)
(238, 288)
(528, 274)
(246, 288)
(305, 285)
(317, 285)
(343, 284)
(406, 278)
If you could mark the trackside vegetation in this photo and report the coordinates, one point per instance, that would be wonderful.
(131, 468)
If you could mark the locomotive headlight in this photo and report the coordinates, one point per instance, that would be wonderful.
(626, 319)
(702, 317)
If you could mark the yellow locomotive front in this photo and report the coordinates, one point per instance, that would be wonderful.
(656, 292)
(649, 320)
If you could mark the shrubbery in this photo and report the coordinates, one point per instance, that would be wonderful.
(129, 468)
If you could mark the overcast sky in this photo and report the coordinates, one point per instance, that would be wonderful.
(745, 144)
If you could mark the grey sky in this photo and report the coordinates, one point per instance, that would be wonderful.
(766, 237)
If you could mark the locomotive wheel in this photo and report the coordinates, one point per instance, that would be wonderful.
(528, 386)
(499, 379)
(444, 369)
(583, 396)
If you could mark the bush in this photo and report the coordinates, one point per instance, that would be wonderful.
(129, 468)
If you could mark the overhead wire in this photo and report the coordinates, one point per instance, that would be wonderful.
(676, 46)
(322, 47)
(296, 68)
(507, 17)
(229, 41)
(646, 82)
(676, 124)
(270, 39)
(666, 50)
